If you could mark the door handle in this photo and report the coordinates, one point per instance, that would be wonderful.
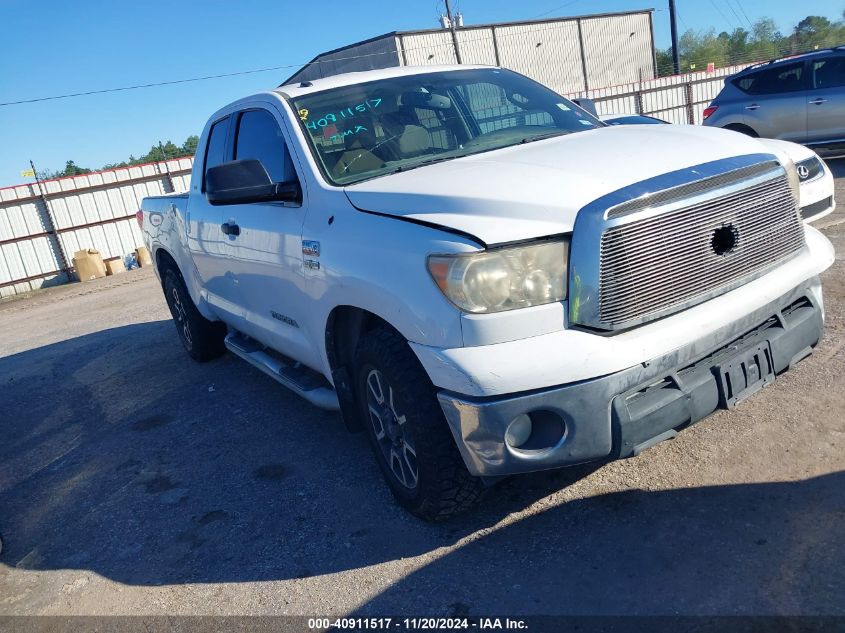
(230, 229)
(753, 106)
(818, 101)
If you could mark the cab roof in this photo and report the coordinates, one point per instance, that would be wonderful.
(299, 89)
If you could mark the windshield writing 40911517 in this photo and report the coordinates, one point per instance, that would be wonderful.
(343, 113)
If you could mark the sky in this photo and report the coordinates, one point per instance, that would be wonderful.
(55, 47)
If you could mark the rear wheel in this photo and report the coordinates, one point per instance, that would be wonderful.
(409, 435)
(202, 339)
(742, 129)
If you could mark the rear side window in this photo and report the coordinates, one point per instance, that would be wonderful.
(493, 109)
(829, 73)
(260, 137)
(788, 78)
(215, 151)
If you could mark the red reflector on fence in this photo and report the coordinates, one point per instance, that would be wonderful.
(709, 110)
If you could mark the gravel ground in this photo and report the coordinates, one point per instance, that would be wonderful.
(133, 481)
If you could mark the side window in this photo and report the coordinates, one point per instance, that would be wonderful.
(829, 73)
(439, 127)
(214, 151)
(789, 78)
(259, 136)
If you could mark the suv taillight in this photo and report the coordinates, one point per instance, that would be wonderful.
(709, 110)
(139, 217)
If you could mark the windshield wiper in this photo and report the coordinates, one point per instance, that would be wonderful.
(540, 137)
(422, 163)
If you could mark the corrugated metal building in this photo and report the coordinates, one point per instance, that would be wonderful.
(570, 55)
(42, 226)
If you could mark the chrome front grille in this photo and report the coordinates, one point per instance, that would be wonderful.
(658, 263)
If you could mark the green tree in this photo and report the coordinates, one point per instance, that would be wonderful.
(189, 147)
(816, 31)
(764, 41)
(71, 169)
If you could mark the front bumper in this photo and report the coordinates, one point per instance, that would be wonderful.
(625, 412)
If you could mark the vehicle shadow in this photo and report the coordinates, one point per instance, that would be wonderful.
(123, 457)
(749, 549)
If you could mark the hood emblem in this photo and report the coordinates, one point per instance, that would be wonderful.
(725, 239)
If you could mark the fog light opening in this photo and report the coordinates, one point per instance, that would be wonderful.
(519, 431)
(535, 431)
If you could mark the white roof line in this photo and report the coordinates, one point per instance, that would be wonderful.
(297, 89)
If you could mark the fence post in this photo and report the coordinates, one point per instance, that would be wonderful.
(51, 224)
(638, 101)
(168, 177)
(689, 104)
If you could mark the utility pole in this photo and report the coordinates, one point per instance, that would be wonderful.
(454, 34)
(676, 56)
(166, 168)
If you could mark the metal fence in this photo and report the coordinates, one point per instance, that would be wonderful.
(677, 99)
(43, 224)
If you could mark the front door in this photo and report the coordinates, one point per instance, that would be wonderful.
(776, 102)
(264, 252)
(826, 100)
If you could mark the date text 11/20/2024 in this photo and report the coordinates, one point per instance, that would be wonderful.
(415, 624)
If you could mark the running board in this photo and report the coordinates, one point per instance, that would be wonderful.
(300, 379)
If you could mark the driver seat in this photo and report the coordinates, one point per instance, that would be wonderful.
(357, 159)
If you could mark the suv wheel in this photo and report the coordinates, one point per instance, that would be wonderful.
(742, 129)
(408, 433)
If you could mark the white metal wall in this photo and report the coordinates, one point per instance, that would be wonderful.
(89, 211)
(477, 46)
(618, 49)
(550, 53)
(427, 49)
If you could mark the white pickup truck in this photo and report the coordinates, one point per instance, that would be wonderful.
(483, 276)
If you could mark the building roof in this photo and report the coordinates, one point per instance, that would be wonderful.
(468, 27)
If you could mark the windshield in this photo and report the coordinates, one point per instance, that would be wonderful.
(367, 130)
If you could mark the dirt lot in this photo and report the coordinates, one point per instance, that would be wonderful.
(135, 481)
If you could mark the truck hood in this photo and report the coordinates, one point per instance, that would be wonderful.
(535, 190)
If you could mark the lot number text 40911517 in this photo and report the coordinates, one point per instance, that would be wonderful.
(418, 624)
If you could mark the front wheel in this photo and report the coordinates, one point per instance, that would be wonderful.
(202, 339)
(409, 435)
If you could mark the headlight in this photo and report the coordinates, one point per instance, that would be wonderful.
(505, 278)
(809, 169)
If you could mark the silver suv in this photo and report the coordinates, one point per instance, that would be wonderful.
(799, 99)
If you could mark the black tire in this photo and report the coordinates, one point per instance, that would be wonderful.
(443, 486)
(202, 339)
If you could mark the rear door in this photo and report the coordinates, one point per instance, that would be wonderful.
(265, 257)
(775, 103)
(826, 99)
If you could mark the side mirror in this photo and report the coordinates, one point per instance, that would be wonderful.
(245, 181)
(588, 105)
